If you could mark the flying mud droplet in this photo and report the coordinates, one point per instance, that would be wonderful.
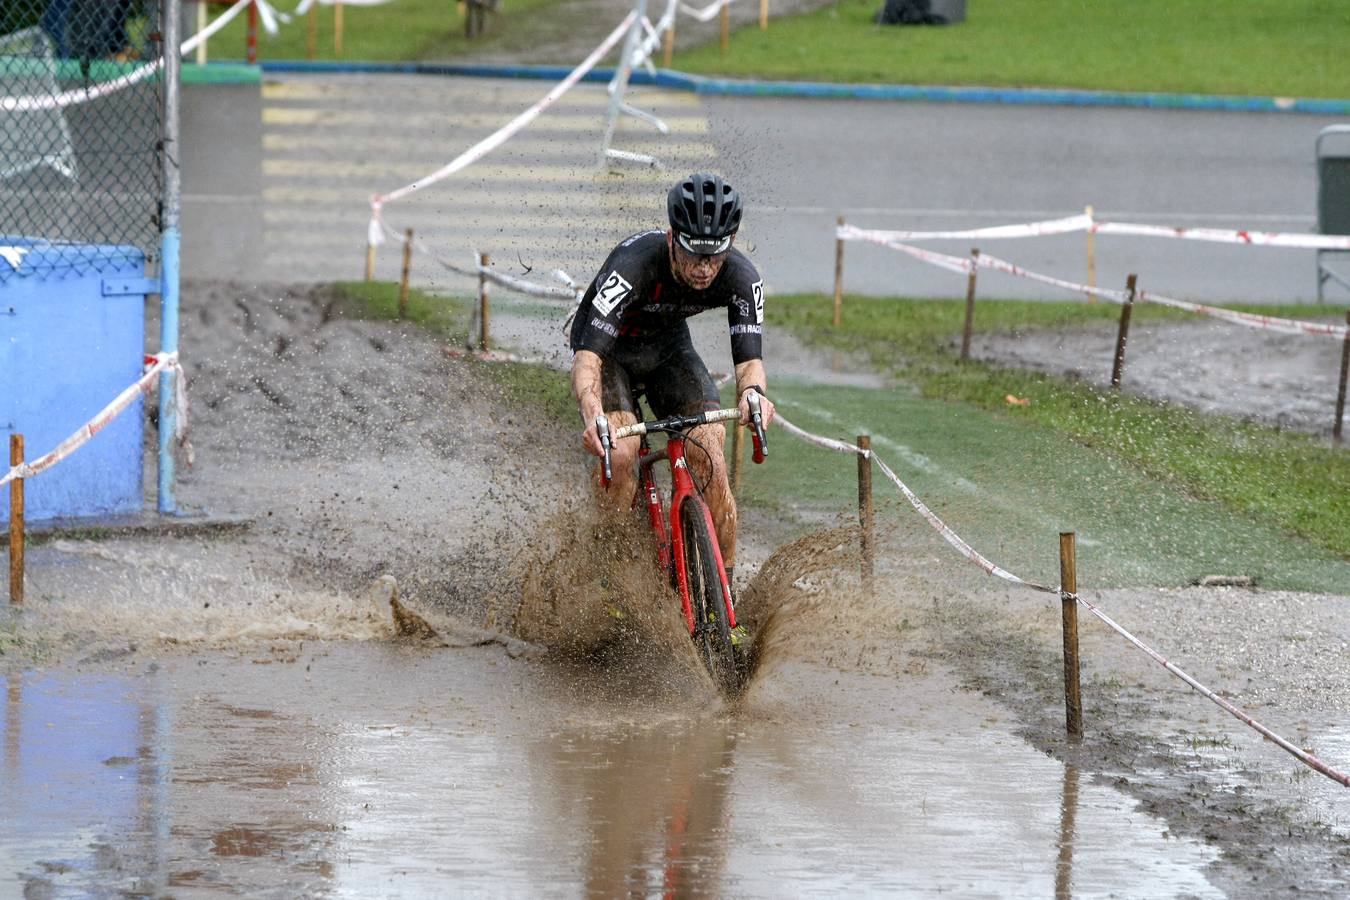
(408, 625)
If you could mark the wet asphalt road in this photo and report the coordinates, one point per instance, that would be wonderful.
(541, 201)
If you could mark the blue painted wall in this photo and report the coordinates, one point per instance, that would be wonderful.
(65, 352)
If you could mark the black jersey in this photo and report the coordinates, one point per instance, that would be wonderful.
(636, 299)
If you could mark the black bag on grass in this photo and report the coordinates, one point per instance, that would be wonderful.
(908, 12)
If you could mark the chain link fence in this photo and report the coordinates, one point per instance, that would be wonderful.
(80, 133)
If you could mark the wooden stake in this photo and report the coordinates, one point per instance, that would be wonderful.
(726, 29)
(16, 522)
(838, 274)
(370, 262)
(1091, 256)
(1118, 368)
(312, 36)
(668, 48)
(202, 22)
(1068, 580)
(251, 35)
(865, 516)
(484, 303)
(407, 267)
(337, 30)
(763, 15)
(1340, 393)
(970, 305)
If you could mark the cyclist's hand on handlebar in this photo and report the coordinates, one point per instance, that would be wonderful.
(591, 440)
(765, 408)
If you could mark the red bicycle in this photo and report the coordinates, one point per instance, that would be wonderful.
(687, 548)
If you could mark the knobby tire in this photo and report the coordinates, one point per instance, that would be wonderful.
(712, 634)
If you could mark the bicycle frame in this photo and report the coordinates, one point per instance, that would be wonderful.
(670, 547)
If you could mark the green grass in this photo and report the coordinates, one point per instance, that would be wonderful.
(1288, 483)
(409, 30)
(1261, 47)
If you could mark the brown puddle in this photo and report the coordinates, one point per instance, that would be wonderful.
(379, 770)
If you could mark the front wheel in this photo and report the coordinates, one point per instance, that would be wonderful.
(712, 632)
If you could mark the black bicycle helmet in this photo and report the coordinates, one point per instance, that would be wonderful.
(705, 212)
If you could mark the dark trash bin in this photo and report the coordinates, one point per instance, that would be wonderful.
(921, 12)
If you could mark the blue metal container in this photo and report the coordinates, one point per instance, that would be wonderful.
(72, 337)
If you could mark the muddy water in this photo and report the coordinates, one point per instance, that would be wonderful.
(364, 768)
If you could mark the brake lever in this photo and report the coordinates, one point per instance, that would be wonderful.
(602, 432)
(757, 421)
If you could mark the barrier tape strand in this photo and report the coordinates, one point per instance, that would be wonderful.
(971, 554)
(156, 365)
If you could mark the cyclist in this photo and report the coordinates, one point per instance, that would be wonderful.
(629, 338)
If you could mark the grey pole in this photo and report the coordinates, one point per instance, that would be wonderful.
(619, 86)
(170, 239)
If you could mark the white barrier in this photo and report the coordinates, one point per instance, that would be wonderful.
(571, 293)
(155, 366)
(1087, 224)
(955, 540)
(964, 265)
(266, 13)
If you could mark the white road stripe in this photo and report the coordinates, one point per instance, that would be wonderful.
(444, 122)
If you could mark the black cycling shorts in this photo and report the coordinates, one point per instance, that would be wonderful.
(669, 375)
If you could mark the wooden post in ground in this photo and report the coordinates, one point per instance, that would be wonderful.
(407, 269)
(970, 305)
(16, 522)
(1091, 254)
(725, 43)
(1123, 335)
(370, 262)
(668, 46)
(763, 15)
(1340, 393)
(251, 35)
(312, 32)
(484, 303)
(1068, 600)
(337, 30)
(866, 519)
(202, 21)
(838, 274)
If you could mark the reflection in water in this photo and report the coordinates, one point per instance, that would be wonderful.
(386, 772)
(653, 801)
(1068, 812)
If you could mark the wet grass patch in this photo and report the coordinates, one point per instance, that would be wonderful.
(1172, 494)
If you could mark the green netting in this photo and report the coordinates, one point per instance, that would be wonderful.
(80, 132)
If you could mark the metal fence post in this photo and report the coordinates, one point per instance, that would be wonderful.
(170, 242)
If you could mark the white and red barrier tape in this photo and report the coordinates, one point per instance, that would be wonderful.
(706, 13)
(964, 265)
(1086, 223)
(266, 13)
(375, 234)
(155, 366)
(570, 293)
(955, 540)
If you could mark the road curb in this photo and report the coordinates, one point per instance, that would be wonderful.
(700, 84)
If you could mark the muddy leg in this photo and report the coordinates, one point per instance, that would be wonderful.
(718, 492)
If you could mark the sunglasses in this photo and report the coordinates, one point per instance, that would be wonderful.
(703, 246)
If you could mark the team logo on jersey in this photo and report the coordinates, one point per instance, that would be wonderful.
(611, 293)
(758, 290)
(742, 305)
